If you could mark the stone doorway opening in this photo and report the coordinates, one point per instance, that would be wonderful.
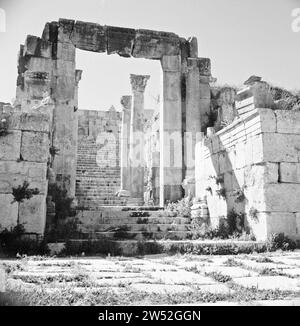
(102, 171)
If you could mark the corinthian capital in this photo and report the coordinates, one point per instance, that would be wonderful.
(139, 82)
(126, 102)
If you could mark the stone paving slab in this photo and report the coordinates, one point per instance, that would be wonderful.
(234, 272)
(270, 283)
(294, 272)
(161, 288)
(260, 266)
(215, 288)
(181, 277)
(160, 274)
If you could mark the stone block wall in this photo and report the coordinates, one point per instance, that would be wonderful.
(24, 153)
(256, 157)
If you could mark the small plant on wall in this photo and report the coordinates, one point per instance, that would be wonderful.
(24, 192)
(219, 179)
(253, 214)
(64, 225)
(53, 151)
(239, 195)
(221, 193)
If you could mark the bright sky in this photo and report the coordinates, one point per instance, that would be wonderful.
(242, 38)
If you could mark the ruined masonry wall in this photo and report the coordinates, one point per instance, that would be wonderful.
(260, 156)
(24, 153)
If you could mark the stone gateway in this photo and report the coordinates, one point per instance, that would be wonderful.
(234, 151)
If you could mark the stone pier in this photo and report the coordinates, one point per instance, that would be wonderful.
(197, 104)
(171, 162)
(126, 102)
(136, 144)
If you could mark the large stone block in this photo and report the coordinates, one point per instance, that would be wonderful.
(275, 222)
(13, 174)
(37, 84)
(290, 172)
(120, 40)
(8, 212)
(282, 197)
(65, 51)
(35, 146)
(65, 89)
(267, 120)
(255, 198)
(257, 149)
(89, 37)
(39, 64)
(288, 121)
(154, 45)
(50, 32)
(32, 214)
(10, 146)
(30, 121)
(37, 47)
(65, 29)
(281, 147)
(259, 175)
(297, 217)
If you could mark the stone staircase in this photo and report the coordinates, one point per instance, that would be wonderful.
(131, 223)
(96, 184)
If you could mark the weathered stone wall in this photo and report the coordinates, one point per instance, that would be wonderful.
(257, 156)
(24, 153)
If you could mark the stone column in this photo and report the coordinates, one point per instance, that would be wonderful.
(124, 191)
(171, 162)
(136, 150)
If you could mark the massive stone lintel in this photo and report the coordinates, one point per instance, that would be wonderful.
(120, 40)
(126, 42)
(89, 37)
(154, 45)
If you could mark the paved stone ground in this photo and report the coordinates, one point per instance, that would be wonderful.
(260, 279)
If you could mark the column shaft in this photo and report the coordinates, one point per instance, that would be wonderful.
(124, 191)
(136, 151)
(171, 162)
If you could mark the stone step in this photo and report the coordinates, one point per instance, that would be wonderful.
(107, 215)
(94, 205)
(148, 247)
(140, 236)
(110, 227)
